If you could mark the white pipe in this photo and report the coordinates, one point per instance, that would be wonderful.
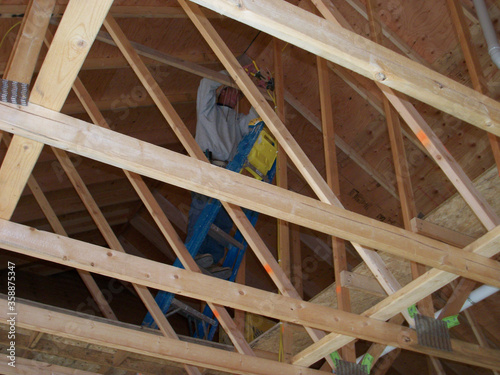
(476, 296)
(488, 31)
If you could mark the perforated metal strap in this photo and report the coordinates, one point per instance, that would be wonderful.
(432, 333)
(14, 92)
(349, 368)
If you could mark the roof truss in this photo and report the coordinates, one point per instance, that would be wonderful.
(38, 126)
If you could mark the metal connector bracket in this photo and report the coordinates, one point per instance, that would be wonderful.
(14, 92)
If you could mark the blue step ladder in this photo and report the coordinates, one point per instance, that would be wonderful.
(256, 154)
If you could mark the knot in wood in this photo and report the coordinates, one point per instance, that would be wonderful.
(380, 76)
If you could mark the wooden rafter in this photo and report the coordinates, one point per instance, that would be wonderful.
(167, 229)
(51, 320)
(434, 146)
(224, 79)
(152, 274)
(332, 42)
(51, 88)
(285, 139)
(161, 164)
(408, 208)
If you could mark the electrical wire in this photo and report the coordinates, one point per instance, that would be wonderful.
(7, 33)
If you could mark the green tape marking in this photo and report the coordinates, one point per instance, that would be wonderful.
(335, 356)
(367, 362)
(412, 310)
(451, 321)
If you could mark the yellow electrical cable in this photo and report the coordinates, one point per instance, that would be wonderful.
(7, 33)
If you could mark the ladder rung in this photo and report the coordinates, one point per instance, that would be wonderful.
(188, 310)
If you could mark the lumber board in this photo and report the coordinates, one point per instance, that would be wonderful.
(334, 43)
(97, 331)
(432, 280)
(431, 142)
(451, 214)
(224, 79)
(152, 274)
(119, 150)
(332, 178)
(472, 61)
(20, 66)
(72, 42)
(283, 136)
(27, 366)
(139, 185)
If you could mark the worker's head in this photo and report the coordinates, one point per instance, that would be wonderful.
(228, 96)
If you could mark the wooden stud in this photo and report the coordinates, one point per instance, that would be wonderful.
(127, 337)
(403, 177)
(332, 177)
(283, 227)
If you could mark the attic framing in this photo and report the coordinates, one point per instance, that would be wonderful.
(40, 123)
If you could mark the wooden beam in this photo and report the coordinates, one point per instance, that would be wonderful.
(56, 225)
(48, 246)
(61, 65)
(362, 283)
(444, 159)
(440, 233)
(130, 338)
(283, 136)
(188, 141)
(431, 142)
(25, 366)
(283, 227)
(473, 65)
(128, 153)
(225, 80)
(332, 42)
(147, 197)
(20, 68)
(401, 168)
(118, 11)
(332, 177)
(488, 245)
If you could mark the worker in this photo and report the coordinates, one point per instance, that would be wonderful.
(219, 129)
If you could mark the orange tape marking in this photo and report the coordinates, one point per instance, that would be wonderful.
(338, 289)
(268, 268)
(422, 137)
(216, 314)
